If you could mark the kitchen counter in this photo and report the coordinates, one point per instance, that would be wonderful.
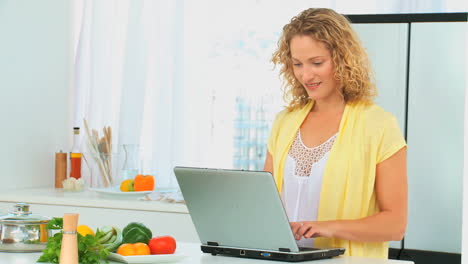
(195, 256)
(97, 210)
(88, 198)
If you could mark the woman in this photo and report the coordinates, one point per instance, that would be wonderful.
(338, 159)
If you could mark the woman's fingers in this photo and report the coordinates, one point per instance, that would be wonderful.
(303, 227)
(311, 232)
(295, 227)
(306, 230)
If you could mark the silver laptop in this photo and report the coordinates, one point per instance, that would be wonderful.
(240, 213)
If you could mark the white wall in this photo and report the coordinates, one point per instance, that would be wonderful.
(34, 90)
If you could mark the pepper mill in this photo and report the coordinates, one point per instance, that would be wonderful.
(69, 250)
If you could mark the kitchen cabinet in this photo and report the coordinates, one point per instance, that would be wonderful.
(388, 58)
(435, 135)
(420, 63)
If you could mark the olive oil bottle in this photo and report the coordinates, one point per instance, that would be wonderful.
(75, 155)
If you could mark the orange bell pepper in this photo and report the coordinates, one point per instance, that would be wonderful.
(143, 183)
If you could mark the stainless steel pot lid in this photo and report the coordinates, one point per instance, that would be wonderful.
(22, 215)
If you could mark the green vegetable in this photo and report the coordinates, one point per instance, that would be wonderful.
(110, 237)
(90, 250)
(136, 232)
(104, 234)
(56, 223)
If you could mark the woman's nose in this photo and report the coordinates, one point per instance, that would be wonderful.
(308, 74)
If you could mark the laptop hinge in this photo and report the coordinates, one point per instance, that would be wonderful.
(284, 250)
(212, 243)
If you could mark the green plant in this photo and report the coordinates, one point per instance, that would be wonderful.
(90, 250)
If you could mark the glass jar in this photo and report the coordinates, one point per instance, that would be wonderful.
(130, 166)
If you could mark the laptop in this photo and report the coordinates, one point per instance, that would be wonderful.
(240, 213)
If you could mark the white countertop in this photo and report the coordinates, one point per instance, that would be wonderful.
(195, 256)
(51, 196)
(87, 198)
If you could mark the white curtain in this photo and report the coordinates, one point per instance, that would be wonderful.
(190, 81)
(127, 77)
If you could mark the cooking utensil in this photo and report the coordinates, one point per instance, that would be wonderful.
(22, 231)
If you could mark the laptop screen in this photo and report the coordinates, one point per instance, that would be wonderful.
(236, 208)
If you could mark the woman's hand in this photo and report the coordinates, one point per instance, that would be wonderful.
(388, 224)
(308, 229)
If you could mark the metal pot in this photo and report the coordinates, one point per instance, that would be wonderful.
(22, 231)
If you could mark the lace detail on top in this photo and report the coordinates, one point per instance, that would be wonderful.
(306, 157)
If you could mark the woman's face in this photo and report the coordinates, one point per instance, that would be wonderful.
(313, 68)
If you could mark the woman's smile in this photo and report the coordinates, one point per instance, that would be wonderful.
(312, 85)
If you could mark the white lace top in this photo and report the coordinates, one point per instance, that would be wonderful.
(302, 182)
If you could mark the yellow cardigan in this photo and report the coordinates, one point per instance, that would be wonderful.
(367, 136)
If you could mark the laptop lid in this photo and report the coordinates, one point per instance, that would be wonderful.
(236, 208)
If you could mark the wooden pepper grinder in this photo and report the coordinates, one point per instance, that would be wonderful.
(69, 250)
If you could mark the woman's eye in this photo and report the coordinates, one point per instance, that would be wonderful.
(317, 63)
(297, 64)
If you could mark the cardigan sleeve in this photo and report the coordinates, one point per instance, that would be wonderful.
(272, 140)
(391, 139)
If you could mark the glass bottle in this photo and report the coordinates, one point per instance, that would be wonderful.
(130, 165)
(75, 155)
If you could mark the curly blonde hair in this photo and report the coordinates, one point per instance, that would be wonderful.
(351, 65)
